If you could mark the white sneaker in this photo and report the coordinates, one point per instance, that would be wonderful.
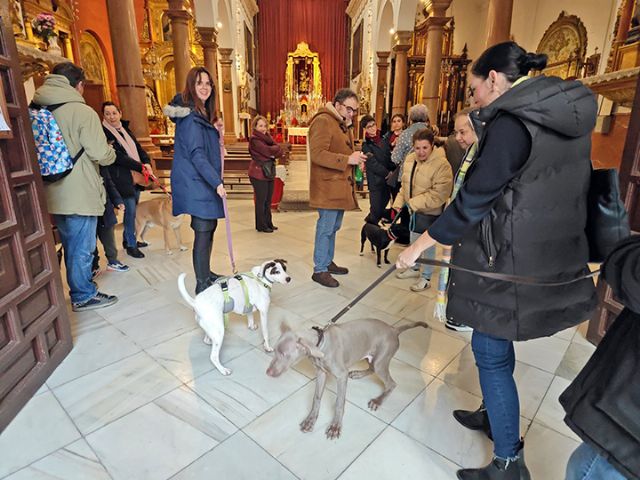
(408, 273)
(420, 285)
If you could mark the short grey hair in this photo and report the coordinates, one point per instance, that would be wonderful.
(419, 113)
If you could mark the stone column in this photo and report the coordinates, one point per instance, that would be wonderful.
(383, 68)
(227, 95)
(209, 43)
(129, 79)
(180, 39)
(400, 86)
(499, 21)
(433, 57)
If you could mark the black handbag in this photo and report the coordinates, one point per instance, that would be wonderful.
(392, 178)
(269, 169)
(607, 221)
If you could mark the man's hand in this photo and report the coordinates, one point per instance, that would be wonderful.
(120, 207)
(356, 158)
(221, 191)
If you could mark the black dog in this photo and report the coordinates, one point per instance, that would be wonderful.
(380, 238)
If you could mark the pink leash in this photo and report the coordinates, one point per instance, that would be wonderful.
(227, 222)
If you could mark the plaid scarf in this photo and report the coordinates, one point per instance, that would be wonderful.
(440, 309)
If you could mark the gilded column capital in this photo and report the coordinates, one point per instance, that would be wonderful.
(383, 59)
(438, 8)
(208, 37)
(225, 56)
(402, 41)
(434, 23)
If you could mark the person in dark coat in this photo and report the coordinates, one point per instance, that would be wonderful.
(602, 402)
(521, 210)
(196, 171)
(263, 150)
(379, 165)
(131, 159)
(106, 224)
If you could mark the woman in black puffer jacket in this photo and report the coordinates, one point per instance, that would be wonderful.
(379, 165)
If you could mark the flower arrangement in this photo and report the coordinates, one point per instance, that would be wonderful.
(43, 25)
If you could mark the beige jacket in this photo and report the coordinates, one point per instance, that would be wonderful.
(432, 184)
(82, 191)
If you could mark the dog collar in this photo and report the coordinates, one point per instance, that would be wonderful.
(266, 283)
(391, 235)
(320, 332)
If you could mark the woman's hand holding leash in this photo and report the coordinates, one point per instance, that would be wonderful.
(409, 256)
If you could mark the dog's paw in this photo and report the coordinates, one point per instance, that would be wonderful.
(374, 403)
(225, 371)
(333, 431)
(307, 424)
(207, 340)
(387, 262)
(168, 252)
(379, 266)
(252, 326)
(183, 248)
(362, 254)
(267, 347)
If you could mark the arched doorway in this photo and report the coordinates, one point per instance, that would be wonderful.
(92, 60)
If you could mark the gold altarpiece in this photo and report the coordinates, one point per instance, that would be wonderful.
(303, 86)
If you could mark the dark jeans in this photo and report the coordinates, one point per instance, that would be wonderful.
(263, 190)
(586, 463)
(78, 235)
(378, 200)
(202, 245)
(129, 222)
(108, 239)
(496, 361)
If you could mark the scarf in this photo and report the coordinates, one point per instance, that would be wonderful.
(440, 309)
(124, 139)
(392, 139)
(376, 139)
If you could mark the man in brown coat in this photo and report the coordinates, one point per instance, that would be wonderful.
(332, 187)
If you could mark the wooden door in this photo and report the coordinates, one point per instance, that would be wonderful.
(94, 96)
(609, 307)
(34, 323)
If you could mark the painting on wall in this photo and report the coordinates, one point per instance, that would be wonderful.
(356, 57)
(248, 49)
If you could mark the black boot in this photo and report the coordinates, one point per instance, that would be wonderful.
(499, 469)
(478, 420)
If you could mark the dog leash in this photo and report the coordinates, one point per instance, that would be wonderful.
(154, 179)
(227, 221)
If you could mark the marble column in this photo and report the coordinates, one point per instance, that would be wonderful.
(180, 38)
(433, 56)
(128, 65)
(499, 21)
(401, 77)
(209, 43)
(227, 94)
(381, 86)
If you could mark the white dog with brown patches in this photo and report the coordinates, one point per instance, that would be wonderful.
(245, 295)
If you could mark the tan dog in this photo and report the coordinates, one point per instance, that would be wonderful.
(158, 212)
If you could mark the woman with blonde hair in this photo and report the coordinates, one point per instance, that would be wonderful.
(262, 171)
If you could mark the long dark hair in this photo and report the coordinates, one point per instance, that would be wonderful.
(510, 59)
(189, 95)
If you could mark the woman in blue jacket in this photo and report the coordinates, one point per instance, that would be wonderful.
(196, 172)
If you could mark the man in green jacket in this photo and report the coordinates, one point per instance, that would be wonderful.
(78, 199)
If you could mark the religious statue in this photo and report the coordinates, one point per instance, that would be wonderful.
(303, 82)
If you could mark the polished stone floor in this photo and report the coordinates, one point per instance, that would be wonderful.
(138, 398)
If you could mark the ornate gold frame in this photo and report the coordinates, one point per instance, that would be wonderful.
(302, 51)
(565, 42)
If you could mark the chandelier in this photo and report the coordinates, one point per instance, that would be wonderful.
(151, 66)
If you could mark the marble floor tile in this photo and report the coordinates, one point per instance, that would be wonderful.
(157, 446)
(566, 334)
(395, 301)
(393, 455)
(248, 392)
(185, 405)
(73, 462)
(122, 284)
(429, 420)
(319, 304)
(547, 452)
(544, 353)
(41, 428)
(137, 304)
(551, 414)
(311, 455)
(427, 349)
(188, 357)
(105, 395)
(236, 458)
(93, 350)
(159, 325)
(575, 358)
(581, 335)
(532, 382)
(424, 313)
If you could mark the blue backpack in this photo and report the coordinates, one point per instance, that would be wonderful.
(54, 158)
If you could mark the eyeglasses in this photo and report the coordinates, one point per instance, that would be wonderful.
(371, 125)
(351, 110)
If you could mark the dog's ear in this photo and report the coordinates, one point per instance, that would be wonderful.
(267, 266)
(284, 327)
(282, 262)
(310, 350)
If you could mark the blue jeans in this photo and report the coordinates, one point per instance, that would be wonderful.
(78, 235)
(429, 253)
(496, 361)
(329, 222)
(129, 231)
(586, 463)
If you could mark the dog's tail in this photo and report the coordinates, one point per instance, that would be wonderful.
(183, 290)
(411, 325)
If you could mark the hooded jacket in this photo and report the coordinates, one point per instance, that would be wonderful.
(196, 170)
(602, 402)
(536, 225)
(331, 183)
(82, 191)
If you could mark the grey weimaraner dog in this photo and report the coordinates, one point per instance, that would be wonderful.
(335, 349)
